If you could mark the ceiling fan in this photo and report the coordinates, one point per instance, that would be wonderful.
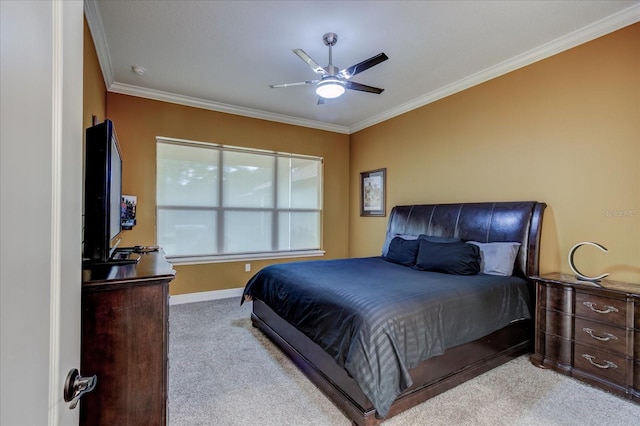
(333, 82)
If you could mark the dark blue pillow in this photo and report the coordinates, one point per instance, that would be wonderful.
(449, 258)
(402, 251)
(434, 239)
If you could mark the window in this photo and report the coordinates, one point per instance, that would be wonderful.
(220, 203)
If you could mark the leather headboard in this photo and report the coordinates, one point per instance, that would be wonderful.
(484, 222)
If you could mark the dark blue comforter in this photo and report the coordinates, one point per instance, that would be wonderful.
(378, 319)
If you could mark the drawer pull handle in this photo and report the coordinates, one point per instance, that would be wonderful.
(607, 336)
(592, 305)
(607, 364)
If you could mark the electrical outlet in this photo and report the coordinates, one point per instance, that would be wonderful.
(247, 267)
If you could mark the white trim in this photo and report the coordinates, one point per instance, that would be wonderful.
(204, 296)
(94, 20)
(158, 95)
(197, 260)
(55, 284)
(597, 29)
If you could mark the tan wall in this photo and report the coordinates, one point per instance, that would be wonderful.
(94, 91)
(564, 131)
(138, 121)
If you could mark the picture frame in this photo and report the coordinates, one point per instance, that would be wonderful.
(128, 211)
(373, 193)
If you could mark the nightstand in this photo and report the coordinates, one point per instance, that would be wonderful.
(590, 333)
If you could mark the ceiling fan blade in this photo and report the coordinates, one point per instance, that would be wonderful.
(347, 73)
(300, 83)
(362, 87)
(321, 100)
(313, 64)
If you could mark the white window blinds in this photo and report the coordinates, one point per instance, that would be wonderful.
(215, 201)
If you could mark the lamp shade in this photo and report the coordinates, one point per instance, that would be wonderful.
(330, 88)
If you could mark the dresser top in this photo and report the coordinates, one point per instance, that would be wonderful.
(152, 266)
(560, 278)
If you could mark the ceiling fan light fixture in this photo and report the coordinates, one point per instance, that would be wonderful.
(333, 83)
(330, 88)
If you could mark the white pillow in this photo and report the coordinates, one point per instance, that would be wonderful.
(497, 258)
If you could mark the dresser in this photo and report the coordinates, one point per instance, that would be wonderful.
(125, 341)
(590, 333)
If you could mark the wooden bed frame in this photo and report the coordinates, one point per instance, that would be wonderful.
(484, 222)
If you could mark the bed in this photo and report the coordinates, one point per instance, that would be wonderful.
(379, 335)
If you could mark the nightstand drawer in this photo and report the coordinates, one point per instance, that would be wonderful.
(613, 311)
(558, 323)
(556, 348)
(604, 364)
(555, 298)
(601, 336)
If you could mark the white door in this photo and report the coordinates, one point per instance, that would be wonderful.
(41, 213)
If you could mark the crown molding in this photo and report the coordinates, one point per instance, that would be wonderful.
(96, 28)
(592, 31)
(159, 95)
(597, 29)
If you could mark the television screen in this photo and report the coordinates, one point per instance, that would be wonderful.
(115, 192)
(102, 192)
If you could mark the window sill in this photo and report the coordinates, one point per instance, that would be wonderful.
(242, 257)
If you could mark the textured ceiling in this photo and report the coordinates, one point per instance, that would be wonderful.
(223, 55)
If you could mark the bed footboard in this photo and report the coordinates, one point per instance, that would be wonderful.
(432, 377)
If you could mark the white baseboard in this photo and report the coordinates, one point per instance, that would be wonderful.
(203, 296)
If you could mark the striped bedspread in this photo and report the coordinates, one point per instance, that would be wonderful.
(378, 319)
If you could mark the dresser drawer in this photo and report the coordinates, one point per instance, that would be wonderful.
(596, 329)
(604, 309)
(555, 348)
(556, 298)
(601, 336)
(558, 323)
(600, 363)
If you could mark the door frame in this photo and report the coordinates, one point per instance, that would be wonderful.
(41, 219)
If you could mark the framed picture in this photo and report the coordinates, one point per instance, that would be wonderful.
(128, 211)
(372, 193)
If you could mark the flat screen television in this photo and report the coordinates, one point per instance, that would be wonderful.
(102, 193)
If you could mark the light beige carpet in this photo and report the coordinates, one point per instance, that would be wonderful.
(223, 371)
